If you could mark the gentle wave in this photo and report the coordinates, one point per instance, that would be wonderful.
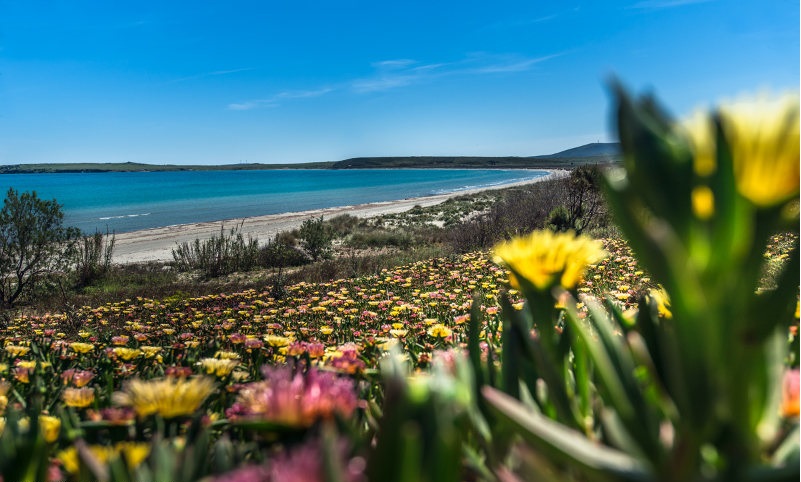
(123, 216)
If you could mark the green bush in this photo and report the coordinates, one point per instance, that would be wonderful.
(316, 238)
(93, 258)
(219, 255)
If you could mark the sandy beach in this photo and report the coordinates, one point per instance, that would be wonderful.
(156, 244)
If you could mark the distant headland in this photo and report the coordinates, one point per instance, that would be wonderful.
(594, 153)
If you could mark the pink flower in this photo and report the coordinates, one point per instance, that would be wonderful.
(297, 400)
(790, 394)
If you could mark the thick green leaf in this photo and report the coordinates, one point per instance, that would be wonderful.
(567, 446)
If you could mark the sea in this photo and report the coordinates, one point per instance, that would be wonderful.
(128, 201)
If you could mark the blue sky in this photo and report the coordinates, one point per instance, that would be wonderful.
(224, 82)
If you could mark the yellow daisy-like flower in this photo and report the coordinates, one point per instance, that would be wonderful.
(169, 397)
(127, 354)
(50, 427)
(17, 350)
(4, 386)
(277, 341)
(545, 258)
(78, 397)
(218, 367)
(150, 351)
(81, 347)
(439, 331)
(764, 138)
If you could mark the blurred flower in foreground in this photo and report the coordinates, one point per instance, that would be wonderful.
(763, 135)
(133, 453)
(545, 258)
(169, 397)
(303, 464)
(296, 400)
(662, 300)
(790, 394)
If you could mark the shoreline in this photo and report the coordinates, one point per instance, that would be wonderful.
(156, 244)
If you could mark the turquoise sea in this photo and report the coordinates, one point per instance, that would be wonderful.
(128, 201)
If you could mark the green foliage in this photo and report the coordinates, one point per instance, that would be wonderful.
(689, 393)
(218, 255)
(316, 238)
(34, 243)
(93, 258)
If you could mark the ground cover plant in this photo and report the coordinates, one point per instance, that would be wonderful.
(670, 356)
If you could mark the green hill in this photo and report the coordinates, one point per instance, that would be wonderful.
(597, 153)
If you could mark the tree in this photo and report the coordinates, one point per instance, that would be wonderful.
(33, 243)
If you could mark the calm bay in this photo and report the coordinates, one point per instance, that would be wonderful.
(129, 201)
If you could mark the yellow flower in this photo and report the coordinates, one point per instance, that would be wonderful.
(133, 452)
(127, 354)
(227, 355)
(50, 427)
(545, 258)
(78, 397)
(277, 341)
(764, 138)
(218, 367)
(80, 347)
(169, 397)
(4, 386)
(150, 351)
(662, 300)
(17, 350)
(699, 130)
(439, 331)
(703, 202)
(763, 135)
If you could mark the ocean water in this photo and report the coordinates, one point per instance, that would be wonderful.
(128, 201)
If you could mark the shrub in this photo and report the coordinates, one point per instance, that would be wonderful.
(93, 258)
(218, 255)
(316, 238)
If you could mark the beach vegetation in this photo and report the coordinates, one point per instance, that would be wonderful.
(93, 255)
(34, 244)
(316, 238)
(219, 255)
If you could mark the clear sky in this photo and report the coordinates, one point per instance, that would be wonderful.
(221, 82)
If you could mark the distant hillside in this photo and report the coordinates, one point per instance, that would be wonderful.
(598, 153)
(611, 149)
(441, 162)
(139, 167)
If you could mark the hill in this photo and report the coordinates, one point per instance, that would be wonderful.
(604, 149)
(464, 162)
(140, 167)
(597, 153)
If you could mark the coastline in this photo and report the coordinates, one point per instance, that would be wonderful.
(156, 244)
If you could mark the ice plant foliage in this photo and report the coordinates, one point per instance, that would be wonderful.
(670, 356)
(693, 390)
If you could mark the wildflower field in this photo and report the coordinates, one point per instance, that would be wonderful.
(553, 357)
